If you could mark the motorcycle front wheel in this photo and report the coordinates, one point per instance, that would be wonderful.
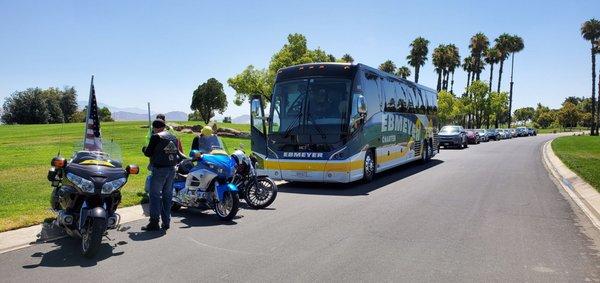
(227, 208)
(261, 194)
(91, 238)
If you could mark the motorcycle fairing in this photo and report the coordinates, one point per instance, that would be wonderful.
(222, 188)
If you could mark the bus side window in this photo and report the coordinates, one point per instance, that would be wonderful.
(390, 96)
(410, 106)
(424, 96)
(401, 98)
(420, 105)
(372, 93)
(435, 103)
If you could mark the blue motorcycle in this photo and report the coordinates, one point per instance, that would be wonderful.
(204, 181)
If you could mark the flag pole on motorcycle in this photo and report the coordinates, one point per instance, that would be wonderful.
(149, 125)
(92, 140)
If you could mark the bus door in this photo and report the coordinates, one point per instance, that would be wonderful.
(258, 126)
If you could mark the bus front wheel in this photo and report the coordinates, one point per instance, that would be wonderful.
(369, 166)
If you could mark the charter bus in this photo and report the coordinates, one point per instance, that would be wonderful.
(336, 122)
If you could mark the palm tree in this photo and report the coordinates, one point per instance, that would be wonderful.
(492, 56)
(388, 66)
(479, 43)
(503, 45)
(347, 58)
(590, 30)
(418, 55)
(453, 63)
(516, 46)
(467, 62)
(403, 72)
(438, 58)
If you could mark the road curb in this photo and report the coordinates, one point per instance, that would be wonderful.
(582, 193)
(45, 232)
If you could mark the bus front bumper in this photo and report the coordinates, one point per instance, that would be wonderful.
(312, 171)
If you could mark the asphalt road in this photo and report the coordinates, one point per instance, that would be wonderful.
(487, 213)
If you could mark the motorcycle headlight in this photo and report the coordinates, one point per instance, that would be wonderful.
(83, 184)
(110, 187)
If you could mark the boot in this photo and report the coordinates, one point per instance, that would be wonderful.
(165, 226)
(152, 226)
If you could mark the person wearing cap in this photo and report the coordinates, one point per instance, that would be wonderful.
(179, 146)
(164, 155)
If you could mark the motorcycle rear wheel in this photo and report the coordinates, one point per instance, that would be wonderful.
(228, 207)
(92, 237)
(261, 194)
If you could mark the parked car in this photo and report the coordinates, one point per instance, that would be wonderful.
(493, 134)
(522, 132)
(532, 131)
(453, 136)
(483, 135)
(472, 136)
(513, 132)
(507, 134)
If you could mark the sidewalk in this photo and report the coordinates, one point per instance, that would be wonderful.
(20, 238)
(582, 193)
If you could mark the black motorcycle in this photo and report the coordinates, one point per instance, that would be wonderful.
(258, 191)
(86, 195)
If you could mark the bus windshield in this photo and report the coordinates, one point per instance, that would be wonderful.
(310, 106)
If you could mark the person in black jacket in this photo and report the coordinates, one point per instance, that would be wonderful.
(164, 155)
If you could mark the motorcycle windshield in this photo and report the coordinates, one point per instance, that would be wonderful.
(211, 145)
(110, 156)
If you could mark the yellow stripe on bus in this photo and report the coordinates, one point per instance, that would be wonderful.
(313, 166)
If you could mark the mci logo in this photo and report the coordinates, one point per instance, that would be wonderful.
(303, 154)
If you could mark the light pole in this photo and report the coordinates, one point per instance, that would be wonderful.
(512, 66)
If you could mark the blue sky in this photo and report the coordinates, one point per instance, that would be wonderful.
(161, 51)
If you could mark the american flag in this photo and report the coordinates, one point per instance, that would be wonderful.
(92, 141)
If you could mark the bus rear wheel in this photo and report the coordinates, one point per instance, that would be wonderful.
(369, 166)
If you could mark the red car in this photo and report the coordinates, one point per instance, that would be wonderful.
(472, 137)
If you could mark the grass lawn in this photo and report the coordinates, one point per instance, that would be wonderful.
(26, 151)
(582, 155)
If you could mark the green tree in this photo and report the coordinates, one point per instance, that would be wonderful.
(208, 98)
(388, 66)
(479, 96)
(467, 67)
(498, 106)
(227, 119)
(545, 119)
(250, 82)
(524, 114)
(568, 115)
(439, 59)
(503, 43)
(347, 58)
(418, 55)
(453, 63)
(403, 72)
(256, 81)
(25, 107)
(590, 30)
(52, 97)
(68, 103)
(446, 103)
(105, 115)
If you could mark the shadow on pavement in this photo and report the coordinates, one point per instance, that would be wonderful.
(357, 188)
(196, 218)
(146, 235)
(67, 253)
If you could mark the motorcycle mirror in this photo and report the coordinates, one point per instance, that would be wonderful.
(58, 162)
(132, 169)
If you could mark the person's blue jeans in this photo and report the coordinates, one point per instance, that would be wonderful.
(148, 180)
(161, 193)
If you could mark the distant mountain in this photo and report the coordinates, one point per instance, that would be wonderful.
(244, 119)
(136, 114)
(128, 116)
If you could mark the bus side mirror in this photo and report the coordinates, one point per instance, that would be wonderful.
(361, 106)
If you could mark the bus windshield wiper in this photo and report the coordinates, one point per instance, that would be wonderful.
(317, 127)
(292, 124)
